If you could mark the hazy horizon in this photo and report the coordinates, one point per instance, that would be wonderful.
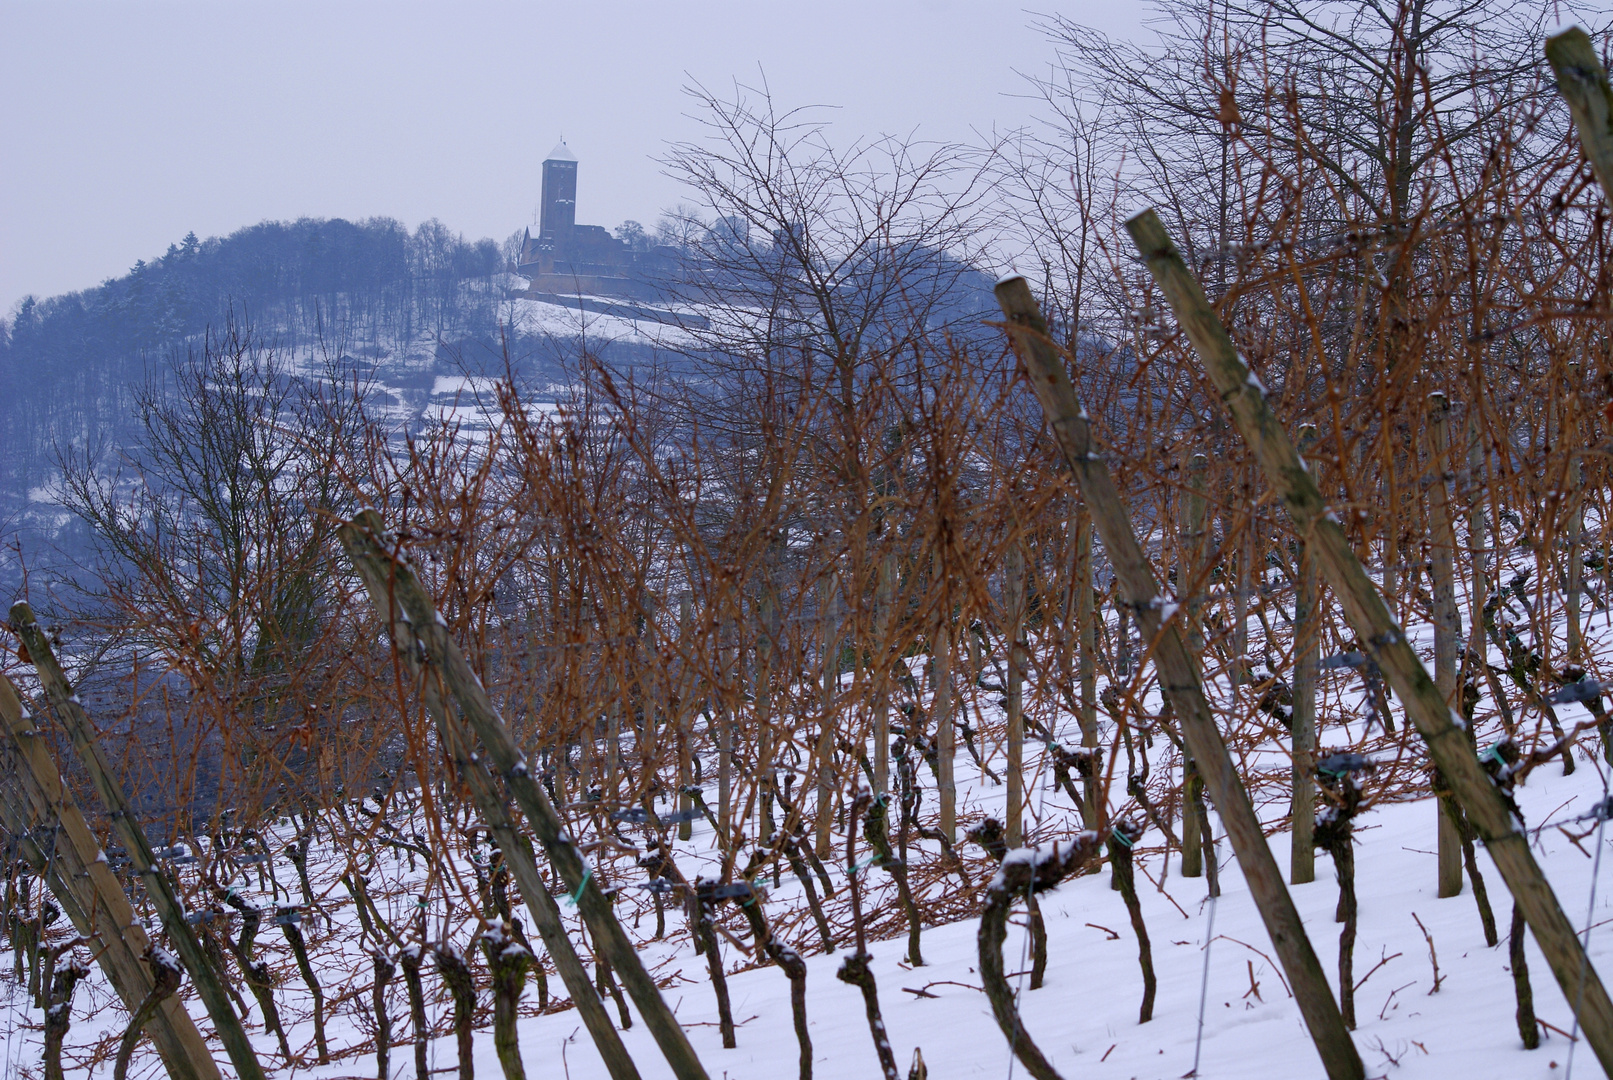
(132, 125)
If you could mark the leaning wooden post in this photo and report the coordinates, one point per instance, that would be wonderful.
(1014, 602)
(1179, 679)
(1086, 620)
(476, 708)
(1447, 623)
(98, 907)
(1188, 563)
(65, 704)
(1383, 639)
(1307, 662)
(374, 567)
(1583, 83)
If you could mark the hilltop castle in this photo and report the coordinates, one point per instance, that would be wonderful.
(570, 259)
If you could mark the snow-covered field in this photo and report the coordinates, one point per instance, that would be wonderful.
(540, 318)
(1213, 958)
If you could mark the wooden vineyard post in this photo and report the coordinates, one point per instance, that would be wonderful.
(651, 681)
(64, 702)
(1472, 488)
(685, 721)
(828, 592)
(1191, 550)
(1583, 83)
(373, 567)
(369, 544)
(1307, 663)
(946, 746)
(1187, 567)
(1014, 602)
(882, 706)
(766, 644)
(1385, 643)
(1178, 678)
(1575, 571)
(615, 691)
(1447, 623)
(1242, 589)
(93, 898)
(727, 656)
(1086, 620)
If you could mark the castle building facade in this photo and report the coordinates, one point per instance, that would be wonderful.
(568, 259)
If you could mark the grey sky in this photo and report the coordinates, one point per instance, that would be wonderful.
(127, 124)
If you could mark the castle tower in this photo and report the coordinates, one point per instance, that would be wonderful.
(559, 213)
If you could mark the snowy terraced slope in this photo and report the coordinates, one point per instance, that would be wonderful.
(540, 318)
(1084, 1018)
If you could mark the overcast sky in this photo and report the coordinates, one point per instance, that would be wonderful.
(125, 125)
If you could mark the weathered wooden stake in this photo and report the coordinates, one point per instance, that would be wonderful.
(1575, 571)
(1307, 662)
(93, 898)
(882, 705)
(1189, 561)
(1472, 493)
(946, 741)
(1014, 602)
(1383, 639)
(1179, 679)
(685, 722)
(728, 665)
(763, 709)
(828, 595)
(1086, 621)
(376, 568)
(1447, 622)
(391, 575)
(126, 825)
(1583, 83)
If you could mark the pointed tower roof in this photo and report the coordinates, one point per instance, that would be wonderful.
(561, 152)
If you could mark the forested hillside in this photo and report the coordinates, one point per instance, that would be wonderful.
(325, 296)
(365, 288)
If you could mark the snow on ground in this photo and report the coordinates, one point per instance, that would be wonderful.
(468, 386)
(1084, 1018)
(543, 319)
